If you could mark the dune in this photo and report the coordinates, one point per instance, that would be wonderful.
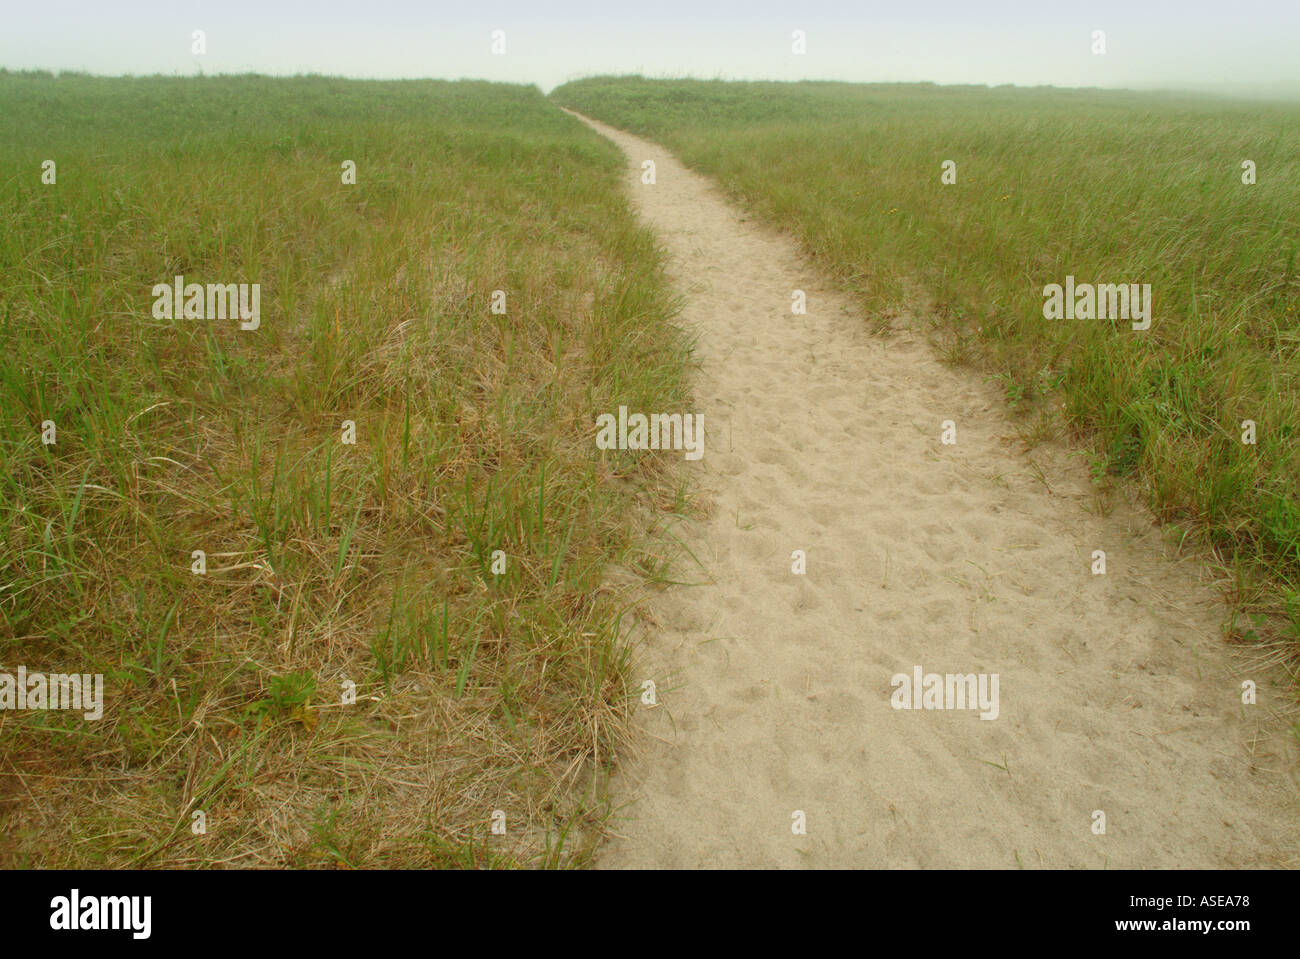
(1119, 739)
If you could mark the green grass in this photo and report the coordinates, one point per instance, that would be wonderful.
(326, 562)
(1105, 186)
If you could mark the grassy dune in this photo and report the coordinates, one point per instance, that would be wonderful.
(326, 562)
(1109, 187)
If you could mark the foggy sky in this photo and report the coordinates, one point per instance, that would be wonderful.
(1246, 46)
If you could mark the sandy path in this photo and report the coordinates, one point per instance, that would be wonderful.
(1116, 691)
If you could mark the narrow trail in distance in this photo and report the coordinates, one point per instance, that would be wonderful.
(1116, 692)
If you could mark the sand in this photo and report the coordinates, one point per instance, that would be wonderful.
(1117, 692)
